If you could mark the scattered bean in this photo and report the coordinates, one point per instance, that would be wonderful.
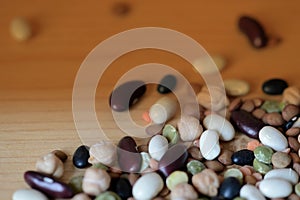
(141, 189)
(250, 192)
(274, 86)
(297, 189)
(287, 174)
(126, 94)
(206, 182)
(81, 157)
(145, 161)
(273, 119)
(175, 178)
(225, 157)
(189, 128)
(209, 144)
(163, 110)
(263, 154)
(104, 152)
(254, 31)
(230, 188)
(293, 143)
(233, 172)
(213, 122)
(246, 123)
(81, 196)
(243, 157)
(258, 113)
(289, 111)
(95, 181)
(171, 134)
(275, 188)
(20, 29)
(108, 195)
(195, 153)
(158, 146)
(195, 167)
(48, 185)
(291, 95)
(28, 194)
(167, 84)
(248, 106)
(235, 104)
(50, 164)
(236, 87)
(281, 159)
(294, 131)
(272, 106)
(183, 191)
(173, 159)
(122, 188)
(261, 167)
(61, 155)
(154, 129)
(214, 165)
(220, 61)
(76, 184)
(273, 138)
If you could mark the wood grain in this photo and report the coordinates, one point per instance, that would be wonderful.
(37, 76)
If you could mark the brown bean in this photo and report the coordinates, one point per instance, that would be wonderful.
(142, 148)
(225, 157)
(248, 106)
(293, 131)
(235, 104)
(257, 102)
(164, 192)
(294, 156)
(293, 197)
(273, 119)
(195, 153)
(293, 143)
(291, 95)
(132, 178)
(249, 179)
(258, 113)
(289, 111)
(296, 167)
(61, 155)
(214, 165)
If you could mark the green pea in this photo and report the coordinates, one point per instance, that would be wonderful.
(171, 134)
(272, 106)
(297, 189)
(261, 167)
(195, 167)
(108, 195)
(100, 166)
(263, 154)
(234, 172)
(76, 184)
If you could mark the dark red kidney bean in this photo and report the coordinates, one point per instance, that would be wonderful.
(243, 157)
(126, 94)
(254, 31)
(291, 122)
(246, 123)
(129, 158)
(48, 185)
(173, 159)
(230, 188)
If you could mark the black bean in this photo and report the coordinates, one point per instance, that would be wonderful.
(243, 157)
(167, 84)
(230, 188)
(254, 31)
(126, 94)
(291, 122)
(274, 86)
(81, 157)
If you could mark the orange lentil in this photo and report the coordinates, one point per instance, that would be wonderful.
(253, 144)
(146, 117)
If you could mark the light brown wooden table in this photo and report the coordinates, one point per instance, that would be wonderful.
(36, 76)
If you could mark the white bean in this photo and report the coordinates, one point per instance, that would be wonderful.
(221, 125)
(250, 192)
(163, 110)
(275, 188)
(273, 138)
(287, 174)
(209, 144)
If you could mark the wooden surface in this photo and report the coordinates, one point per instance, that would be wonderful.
(36, 76)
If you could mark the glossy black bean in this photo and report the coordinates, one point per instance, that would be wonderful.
(230, 188)
(127, 94)
(246, 123)
(254, 31)
(128, 157)
(173, 159)
(48, 185)
(167, 84)
(291, 122)
(81, 157)
(243, 157)
(274, 86)
(122, 187)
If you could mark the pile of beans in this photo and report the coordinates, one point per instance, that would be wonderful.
(251, 153)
